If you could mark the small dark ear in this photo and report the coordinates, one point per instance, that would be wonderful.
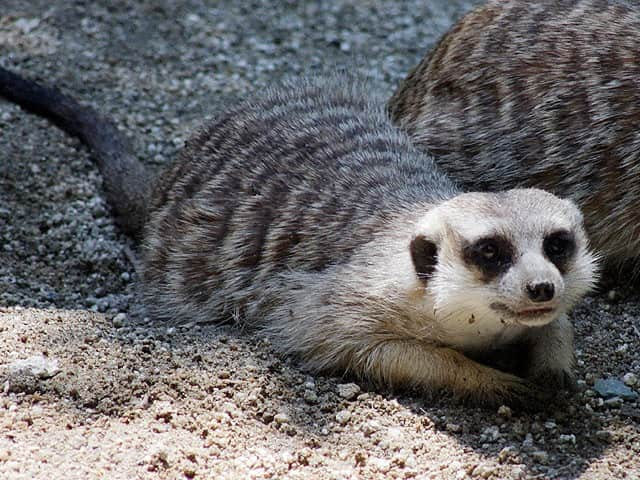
(424, 254)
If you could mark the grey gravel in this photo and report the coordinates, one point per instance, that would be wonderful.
(149, 401)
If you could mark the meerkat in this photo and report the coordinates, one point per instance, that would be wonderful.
(306, 214)
(541, 94)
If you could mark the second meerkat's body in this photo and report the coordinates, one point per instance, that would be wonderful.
(541, 94)
(304, 212)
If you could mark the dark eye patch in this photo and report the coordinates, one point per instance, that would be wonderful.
(424, 254)
(491, 255)
(559, 248)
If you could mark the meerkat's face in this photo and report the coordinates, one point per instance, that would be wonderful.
(493, 260)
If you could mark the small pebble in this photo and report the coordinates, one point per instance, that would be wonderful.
(164, 410)
(453, 427)
(371, 427)
(491, 434)
(630, 379)
(527, 443)
(484, 471)
(343, 417)
(310, 397)
(348, 391)
(304, 455)
(231, 409)
(27, 24)
(189, 473)
(614, 402)
(119, 320)
(4, 455)
(281, 418)
(570, 438)
(611, 387)
(380, 464)
(39, 366)
(505, 411)
(507, 454)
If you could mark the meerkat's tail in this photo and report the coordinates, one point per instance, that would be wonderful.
(126, 181)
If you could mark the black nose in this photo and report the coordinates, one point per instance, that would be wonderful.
(540, 292)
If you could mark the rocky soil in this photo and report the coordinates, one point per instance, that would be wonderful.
(91, 388)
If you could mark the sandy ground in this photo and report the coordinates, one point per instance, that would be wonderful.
(91, 388)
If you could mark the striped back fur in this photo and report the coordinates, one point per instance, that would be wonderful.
(540, 94)
(295, 179)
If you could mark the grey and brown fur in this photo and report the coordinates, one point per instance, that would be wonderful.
(305, 213)
(542, 94)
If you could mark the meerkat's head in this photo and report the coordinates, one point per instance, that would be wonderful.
(518, 257)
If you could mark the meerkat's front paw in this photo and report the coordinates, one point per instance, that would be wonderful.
(552, 357)
(555, 380)
(506, 389)
(552, 374)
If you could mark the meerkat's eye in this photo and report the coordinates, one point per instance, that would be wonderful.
(488, 250)
(491, 255)
(559, 247)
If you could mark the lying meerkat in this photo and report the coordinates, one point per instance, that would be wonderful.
(541, 94)
(305, 213)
